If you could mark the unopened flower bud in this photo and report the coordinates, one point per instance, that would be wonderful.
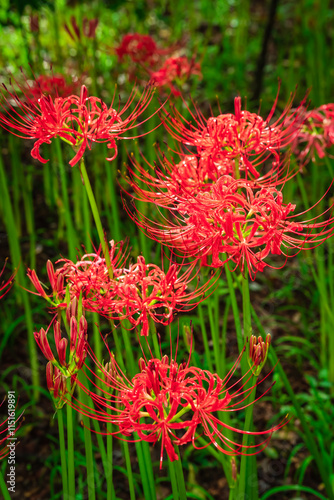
(258, 353)
(43, 344)
(141, 364)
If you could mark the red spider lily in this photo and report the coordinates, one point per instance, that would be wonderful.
(316, 134)
(237, 221)
(53, 85)
(175, 69)
(243, 137)
(175, 181)
(137, 293)
(88, 28)
(140, 48)
(78, 120)
(173, 404)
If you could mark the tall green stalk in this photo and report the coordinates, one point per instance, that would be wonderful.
(96, 216)
(70, 448)
(71, 235)
(84, 398)
(61, 431)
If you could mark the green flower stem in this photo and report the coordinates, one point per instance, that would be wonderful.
(143, 451)
(247, 468)
(235, 308)
(180, 477)
(126, 453)
(60, 417)
(215, 339)
(154, 334)
(223, 336)
(96, 215)
(14, 246)
(109, 462)
(247, 320)
(177, 478)
(205, 338)
(146, 467)
(173, 480)
(84, 398)
(111, 180)
(310, 441)
(128, 348)
(70, 447)
(118, 347)
(72, 240)
(106, 456)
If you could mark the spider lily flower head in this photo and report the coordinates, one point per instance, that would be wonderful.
(316, 134)
(245, 138)
(175, 70)
(257, 353)
(55, 85)
(237, 221)
(86, 277)
(79, 120)
(171, 182)
(140, 48)
(173, 404)
(138, 292)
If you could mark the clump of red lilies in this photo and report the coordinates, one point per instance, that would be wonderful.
(172, 403)
(79, 120)
(149, 62)
(223, 207)
(316, 134)
(136, 293)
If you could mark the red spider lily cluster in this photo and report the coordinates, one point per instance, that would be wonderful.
(175, 69)
(223, 209)
(139, 48)
(173, 404)
(53, 85)
(240, 222)
(315, 135)
(78, 120)
(149, 60)
(137, 293)
(243, 139)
